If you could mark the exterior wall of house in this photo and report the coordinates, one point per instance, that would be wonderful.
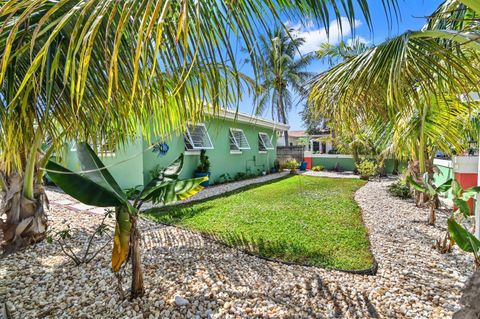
(131, 164)
(126, 164)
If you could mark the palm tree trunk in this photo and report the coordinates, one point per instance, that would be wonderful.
(137, 273)
(22, 202)
(25, 221)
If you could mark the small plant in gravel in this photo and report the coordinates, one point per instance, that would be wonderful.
(318, 168)
(400, 189)
(426, 187)
(367, 169)
(97, 187)
(461, 216)
(62, 237)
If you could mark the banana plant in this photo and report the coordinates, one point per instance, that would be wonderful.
(465, 240)
(432, 191)
(96, 186)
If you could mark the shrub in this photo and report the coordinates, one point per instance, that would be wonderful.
(224, 178)
(204, 166)
(318, 168)
(292, 165)
(367, 169)
(400, 189)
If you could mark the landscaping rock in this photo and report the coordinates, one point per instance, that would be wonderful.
(180, 301)
(413, 281)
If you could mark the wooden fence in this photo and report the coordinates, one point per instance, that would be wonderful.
(286, 153)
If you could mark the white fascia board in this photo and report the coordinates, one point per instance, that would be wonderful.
(248, 119)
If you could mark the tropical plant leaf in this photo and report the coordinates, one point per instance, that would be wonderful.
(169, 196)
(96, 171)
(121, 239)
(187, 188)
(470, 192)
(462, 206)
(174, 169)
(464, 239)
(457, 189)
(154, 192)
(445, 186)
(416, 185)
(81, 187)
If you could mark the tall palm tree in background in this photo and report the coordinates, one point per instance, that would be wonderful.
(414, 82)
(282, 74)
(101, 70)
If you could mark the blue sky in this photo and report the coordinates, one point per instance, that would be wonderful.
(413, 13)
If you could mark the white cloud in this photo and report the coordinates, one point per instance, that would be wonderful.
(315, 37)
(358, 39)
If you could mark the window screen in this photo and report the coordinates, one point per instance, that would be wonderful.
(238, 140)
(197, 138)
(264, 142)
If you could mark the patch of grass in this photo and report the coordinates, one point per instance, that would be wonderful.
(302, 219)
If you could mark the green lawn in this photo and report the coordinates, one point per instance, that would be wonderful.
(302, 219)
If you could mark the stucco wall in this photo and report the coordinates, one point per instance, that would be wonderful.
(131, 164)
(222, 161)
(126, 165)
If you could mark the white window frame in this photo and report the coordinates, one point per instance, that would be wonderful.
(234, 140)
(261, 141)
(108, 153)
(190, 140)
(73, 148)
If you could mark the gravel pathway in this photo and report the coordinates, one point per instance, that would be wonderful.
(187, 276)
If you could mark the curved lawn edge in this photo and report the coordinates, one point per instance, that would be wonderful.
(246, 240)
(372, 271)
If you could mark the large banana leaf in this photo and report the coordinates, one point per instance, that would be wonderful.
(445, 186)
(170, 192)
(464, 239)
(82, 188)
(174, 169)
(121, 239)
(155, 191)
(472, 191)
(416, 185)
(96, 171)
(187, 188)
(462, 206)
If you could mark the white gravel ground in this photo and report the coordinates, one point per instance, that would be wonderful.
(211, 280)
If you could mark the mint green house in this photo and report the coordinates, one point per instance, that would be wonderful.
(234, 142)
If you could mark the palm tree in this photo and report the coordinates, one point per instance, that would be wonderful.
(100, 70)
(336, 53)
(282, 74)
(413, 81)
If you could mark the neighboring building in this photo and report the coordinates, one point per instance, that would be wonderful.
(316, 144)
(234, 142)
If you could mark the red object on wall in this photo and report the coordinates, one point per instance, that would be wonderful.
(467, 180)
(309, 161)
